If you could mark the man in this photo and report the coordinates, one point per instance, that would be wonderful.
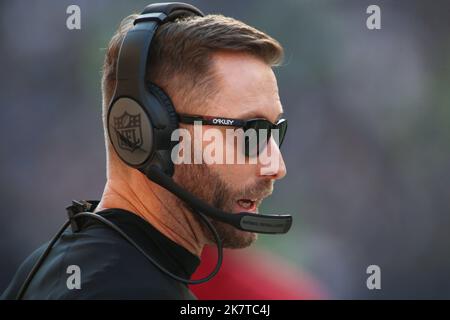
(209, 66)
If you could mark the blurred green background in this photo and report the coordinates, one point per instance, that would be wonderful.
(367, 151)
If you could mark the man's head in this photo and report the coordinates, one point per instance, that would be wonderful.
(212, 66)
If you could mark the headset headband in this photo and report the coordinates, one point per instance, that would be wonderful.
(133, 55)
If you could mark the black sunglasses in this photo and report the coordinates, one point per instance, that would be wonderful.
(258, 125)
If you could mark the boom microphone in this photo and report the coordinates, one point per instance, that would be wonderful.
(260, 223)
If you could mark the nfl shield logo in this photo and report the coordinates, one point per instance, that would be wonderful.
(128, 130)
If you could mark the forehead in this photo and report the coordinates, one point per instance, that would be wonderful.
(247, 88)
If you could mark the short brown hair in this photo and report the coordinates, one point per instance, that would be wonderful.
(180, 57)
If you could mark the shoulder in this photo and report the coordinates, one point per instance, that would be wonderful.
(95, 264)
(22, 272)
(106, 267)
(111, 268)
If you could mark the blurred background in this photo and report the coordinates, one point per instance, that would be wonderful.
(367, 152)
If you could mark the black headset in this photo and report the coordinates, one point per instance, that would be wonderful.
(140, 122)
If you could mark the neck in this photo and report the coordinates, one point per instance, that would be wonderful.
(134, 192)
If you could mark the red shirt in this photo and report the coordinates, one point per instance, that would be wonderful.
(253, 274)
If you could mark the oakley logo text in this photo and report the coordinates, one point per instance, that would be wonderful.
(223, 121)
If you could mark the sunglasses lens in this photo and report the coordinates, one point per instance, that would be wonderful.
(257, 134)
(282, 128)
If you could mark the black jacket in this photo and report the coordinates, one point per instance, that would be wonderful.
(110, 267)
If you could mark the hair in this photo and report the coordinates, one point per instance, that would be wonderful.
(181, 56)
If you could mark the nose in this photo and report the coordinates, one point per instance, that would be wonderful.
(272, 164)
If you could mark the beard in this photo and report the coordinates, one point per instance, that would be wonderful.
(207, 185)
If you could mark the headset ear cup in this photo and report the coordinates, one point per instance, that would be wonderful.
(163, 156)
(167, 104)
(125, 115)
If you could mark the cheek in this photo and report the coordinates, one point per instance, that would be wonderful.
(239, 171)
(236, 175)
(227, 159)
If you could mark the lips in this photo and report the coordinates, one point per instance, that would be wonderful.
(247, 205)
(250, 201)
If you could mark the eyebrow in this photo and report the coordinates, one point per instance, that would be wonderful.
(255, 114)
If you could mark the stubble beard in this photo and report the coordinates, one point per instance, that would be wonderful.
(208, 186)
